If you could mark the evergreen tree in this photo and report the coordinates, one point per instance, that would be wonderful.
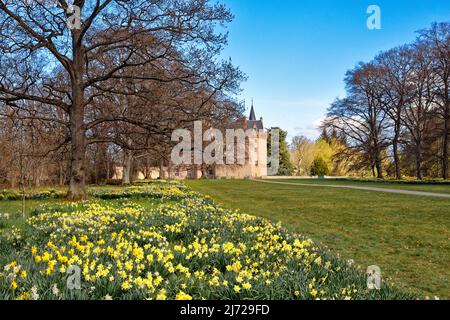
(286, 166)
(319, 167)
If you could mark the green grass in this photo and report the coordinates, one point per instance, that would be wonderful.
(14, 209)
(435, 188)
(407, 236)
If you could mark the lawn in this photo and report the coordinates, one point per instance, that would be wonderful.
(407, 236)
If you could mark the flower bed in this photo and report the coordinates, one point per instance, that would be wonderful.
(191, 249)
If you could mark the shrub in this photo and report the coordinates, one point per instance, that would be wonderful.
(319, 167)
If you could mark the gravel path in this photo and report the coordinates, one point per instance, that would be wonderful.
(397, 191)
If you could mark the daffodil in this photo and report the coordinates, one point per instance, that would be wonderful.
(183, 296)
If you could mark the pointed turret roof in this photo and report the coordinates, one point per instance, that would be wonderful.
(252, 122)
(252, 114)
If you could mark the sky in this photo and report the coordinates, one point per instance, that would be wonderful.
(296, 52)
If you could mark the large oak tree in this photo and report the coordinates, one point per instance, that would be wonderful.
(70, 69)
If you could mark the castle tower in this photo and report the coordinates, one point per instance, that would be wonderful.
(256, 152)
(260, 169)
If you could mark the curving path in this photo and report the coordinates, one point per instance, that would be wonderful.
(397, 191)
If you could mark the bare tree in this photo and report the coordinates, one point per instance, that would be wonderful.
(418, 112)
(396, 69)
(400, 99)
(114, 40)
(360, 116)
(302, 154)
(437, 41)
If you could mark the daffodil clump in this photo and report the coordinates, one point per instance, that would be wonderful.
(186, 249)
(9, 195)
(169, 191)
(158, 189)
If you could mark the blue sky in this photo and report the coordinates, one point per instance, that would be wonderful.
(296, 52)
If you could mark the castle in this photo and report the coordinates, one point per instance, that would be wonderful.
(255, 168)
(251, 169)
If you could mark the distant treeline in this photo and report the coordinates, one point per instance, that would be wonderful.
(395, 118)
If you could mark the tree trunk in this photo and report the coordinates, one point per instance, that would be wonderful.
(148, 169)
(398, 172)
(169, 168)
(77, 127)
(419, 164)
(419, 169)
(445, 146)
(61, 174)
(78, 155)
(108, 168)
(161, 170)
(126, 176)
(96, 173)
(135, 174)
(205, 174)
(37, 178)
(12, 179)
(379, 168)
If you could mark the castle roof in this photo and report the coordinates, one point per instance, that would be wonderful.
(252, 122)
(252, 114)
